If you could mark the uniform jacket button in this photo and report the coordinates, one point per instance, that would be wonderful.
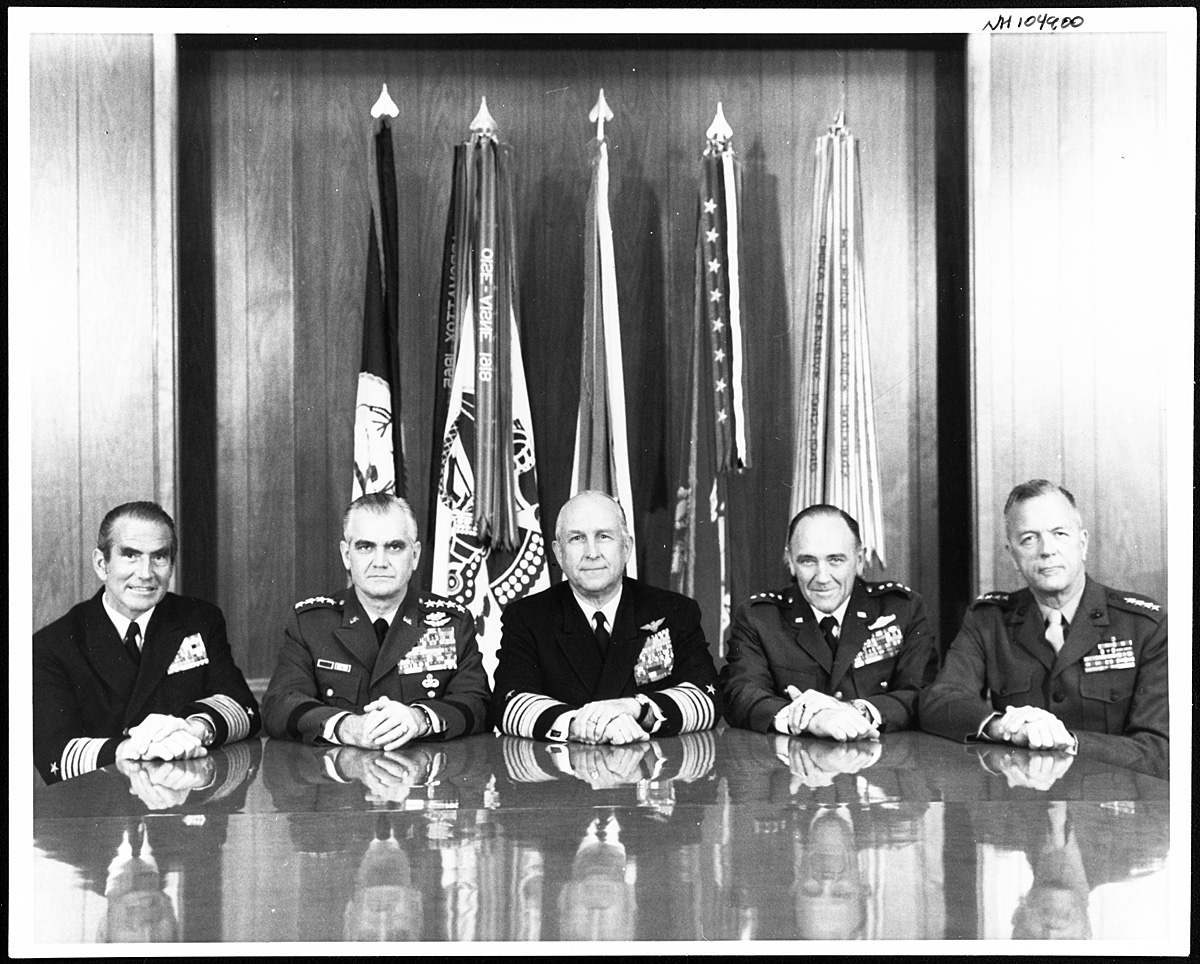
(1058, 697)
(883, 685)
(329, 692)
(837, 695)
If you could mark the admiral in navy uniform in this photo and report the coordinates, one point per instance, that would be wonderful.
(601, 658)
(832, 655)
(377, 665)
(136, 672)
(1065, 663)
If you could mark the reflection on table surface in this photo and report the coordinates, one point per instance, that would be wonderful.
(725, 835)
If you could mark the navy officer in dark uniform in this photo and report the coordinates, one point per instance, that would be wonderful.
(832, 655)
(136, 672)
(377, 665)
(1064, 664)
(600, 657)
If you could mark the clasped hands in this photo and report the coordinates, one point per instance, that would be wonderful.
(384, 724)
(1030, 726)
(162, 784)
(819, 714)
(387, 776)
(608, 721)
(814, 764)
(163, 737)
(1022, 767)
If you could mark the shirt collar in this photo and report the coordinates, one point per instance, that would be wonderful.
(609, 608)
(390, 615)
(122, 622)
(1068, 609)
(839, 614)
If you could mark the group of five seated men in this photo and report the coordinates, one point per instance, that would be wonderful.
(1066, 664)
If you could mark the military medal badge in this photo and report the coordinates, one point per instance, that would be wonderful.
(1111, 653)
(191, 655)
(883, 643)
(437, 650)
(657, 658)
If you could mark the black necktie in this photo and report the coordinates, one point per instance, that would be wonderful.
(381, 628)
(131, 643)
(829, 628)
(602, 636)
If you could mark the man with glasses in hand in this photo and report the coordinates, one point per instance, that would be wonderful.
(377, 665)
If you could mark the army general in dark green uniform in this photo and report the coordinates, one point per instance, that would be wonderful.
(832, 655)
(378, 665)
(1066, 664)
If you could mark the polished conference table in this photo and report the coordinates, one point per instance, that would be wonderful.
(718, 836)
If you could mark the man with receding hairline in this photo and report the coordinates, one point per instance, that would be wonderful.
(832, 655)
(1065, 664)
(377, 665)
(136, 672)
(602, 658)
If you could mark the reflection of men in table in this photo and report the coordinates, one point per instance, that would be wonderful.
(376, 665)
(833, 655)
(602, 658)
(1065, 663)
(136, 672)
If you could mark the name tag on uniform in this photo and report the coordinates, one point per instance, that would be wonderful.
(191, 655)
(330, 664)
(436, 650)
(880, 645)
(656, 660)
(1111, 654)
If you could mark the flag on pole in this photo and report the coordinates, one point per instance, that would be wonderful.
(836, 453)
(378, 444)
(716, 440)
(487, 535)
(601, 458)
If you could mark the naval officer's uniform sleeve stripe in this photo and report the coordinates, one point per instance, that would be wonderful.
(523, 711)
(237, 721)
(699, 756)
(79, 756)
(696, 710)
(520, 759)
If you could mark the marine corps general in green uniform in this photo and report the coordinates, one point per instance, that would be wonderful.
(377, 665)
(832, 655)
(1066, 664)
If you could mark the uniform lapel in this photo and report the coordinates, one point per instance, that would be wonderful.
(577, 641)
(356, 634)
(1028, 631)
(402, 636)
(854, 631)
(626, 644)
(164, 633)
(808, 632)
(1087, 629)
(103, 650)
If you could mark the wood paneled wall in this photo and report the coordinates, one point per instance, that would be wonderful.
(101, 146)
(274, 148)
(1069, 315)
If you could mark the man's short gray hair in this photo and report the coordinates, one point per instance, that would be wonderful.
(381, 503)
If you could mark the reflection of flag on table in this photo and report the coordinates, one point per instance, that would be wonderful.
(836, 457)
(378, 445)
(601, 445)
(487, 536)
(715, 441)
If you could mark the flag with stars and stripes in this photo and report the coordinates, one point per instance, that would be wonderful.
(378, 446)
(836, 454)
(486, 529)
(716, 441)
(601, 460)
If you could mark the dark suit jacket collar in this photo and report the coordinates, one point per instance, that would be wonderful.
(163, 637)
(102, 647)
(577, 641)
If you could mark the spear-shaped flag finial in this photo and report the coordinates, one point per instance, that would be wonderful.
(839, 123)
(599, 114)
(720, 130)
(385, 105)
(484, 123)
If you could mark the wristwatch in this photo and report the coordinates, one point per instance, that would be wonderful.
(210, 731)
(645, 716)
